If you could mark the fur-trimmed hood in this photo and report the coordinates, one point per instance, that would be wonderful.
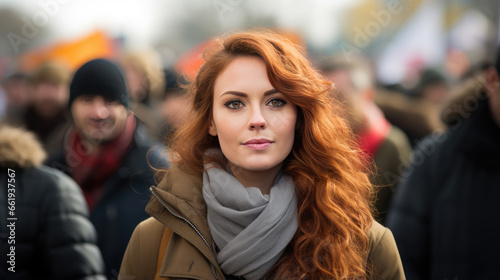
(19, 148)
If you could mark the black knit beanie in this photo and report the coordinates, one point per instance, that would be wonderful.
(99, 77)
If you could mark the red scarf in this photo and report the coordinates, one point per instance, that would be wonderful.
(95, 168)
(372, 138)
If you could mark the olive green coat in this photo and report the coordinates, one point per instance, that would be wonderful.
(178, 204)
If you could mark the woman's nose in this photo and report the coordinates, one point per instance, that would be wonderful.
(257, 120)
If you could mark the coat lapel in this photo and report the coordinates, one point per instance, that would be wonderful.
(178, 203)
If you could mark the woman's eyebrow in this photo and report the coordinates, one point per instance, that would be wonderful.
(237, 93)
(242, 94)
(271, 91)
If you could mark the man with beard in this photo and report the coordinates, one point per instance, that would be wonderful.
(46, 114)
(108, 156)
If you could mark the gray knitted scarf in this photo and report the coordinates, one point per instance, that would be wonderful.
(250, 229)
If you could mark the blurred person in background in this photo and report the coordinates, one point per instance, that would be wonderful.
(444, 214)
(108, 156)
(47, 115)
(464, 96)
(417, 111)
(146, 84)
(432, 87)
(176, 106)
(51, 235)
(416, 117)
(268, 182)
(386, 144)
(16, 89)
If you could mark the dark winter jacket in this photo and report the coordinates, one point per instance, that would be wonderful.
(124, 196)
(445, 214)
(45, 232)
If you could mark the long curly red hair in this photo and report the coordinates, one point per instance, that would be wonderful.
(328, 169)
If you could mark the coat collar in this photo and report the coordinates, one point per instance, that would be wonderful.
(178, 203)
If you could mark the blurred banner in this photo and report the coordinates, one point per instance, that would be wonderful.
(190, 62)
(72, 54)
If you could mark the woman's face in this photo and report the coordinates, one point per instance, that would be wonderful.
(255, 123)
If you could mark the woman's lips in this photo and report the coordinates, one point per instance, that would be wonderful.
(258, 144)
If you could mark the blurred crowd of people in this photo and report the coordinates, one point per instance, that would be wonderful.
(106, 127)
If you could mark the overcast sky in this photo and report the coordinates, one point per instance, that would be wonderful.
(140, 21)
(184, 23)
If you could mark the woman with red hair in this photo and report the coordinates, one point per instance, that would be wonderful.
(267, 181)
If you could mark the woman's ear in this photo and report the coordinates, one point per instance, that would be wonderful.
(212, 130)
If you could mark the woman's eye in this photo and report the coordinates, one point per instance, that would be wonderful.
(234, 104)
(277, 103)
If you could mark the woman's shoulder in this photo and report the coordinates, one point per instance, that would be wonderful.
(148, 233)
(140, 259)
(384, 255)
(147, 236)
(180, 181)
(378, 233)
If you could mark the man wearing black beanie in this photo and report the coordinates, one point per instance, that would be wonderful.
(108, 157)
(99, 101)
(444, 216)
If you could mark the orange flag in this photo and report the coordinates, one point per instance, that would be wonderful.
(71, 54)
